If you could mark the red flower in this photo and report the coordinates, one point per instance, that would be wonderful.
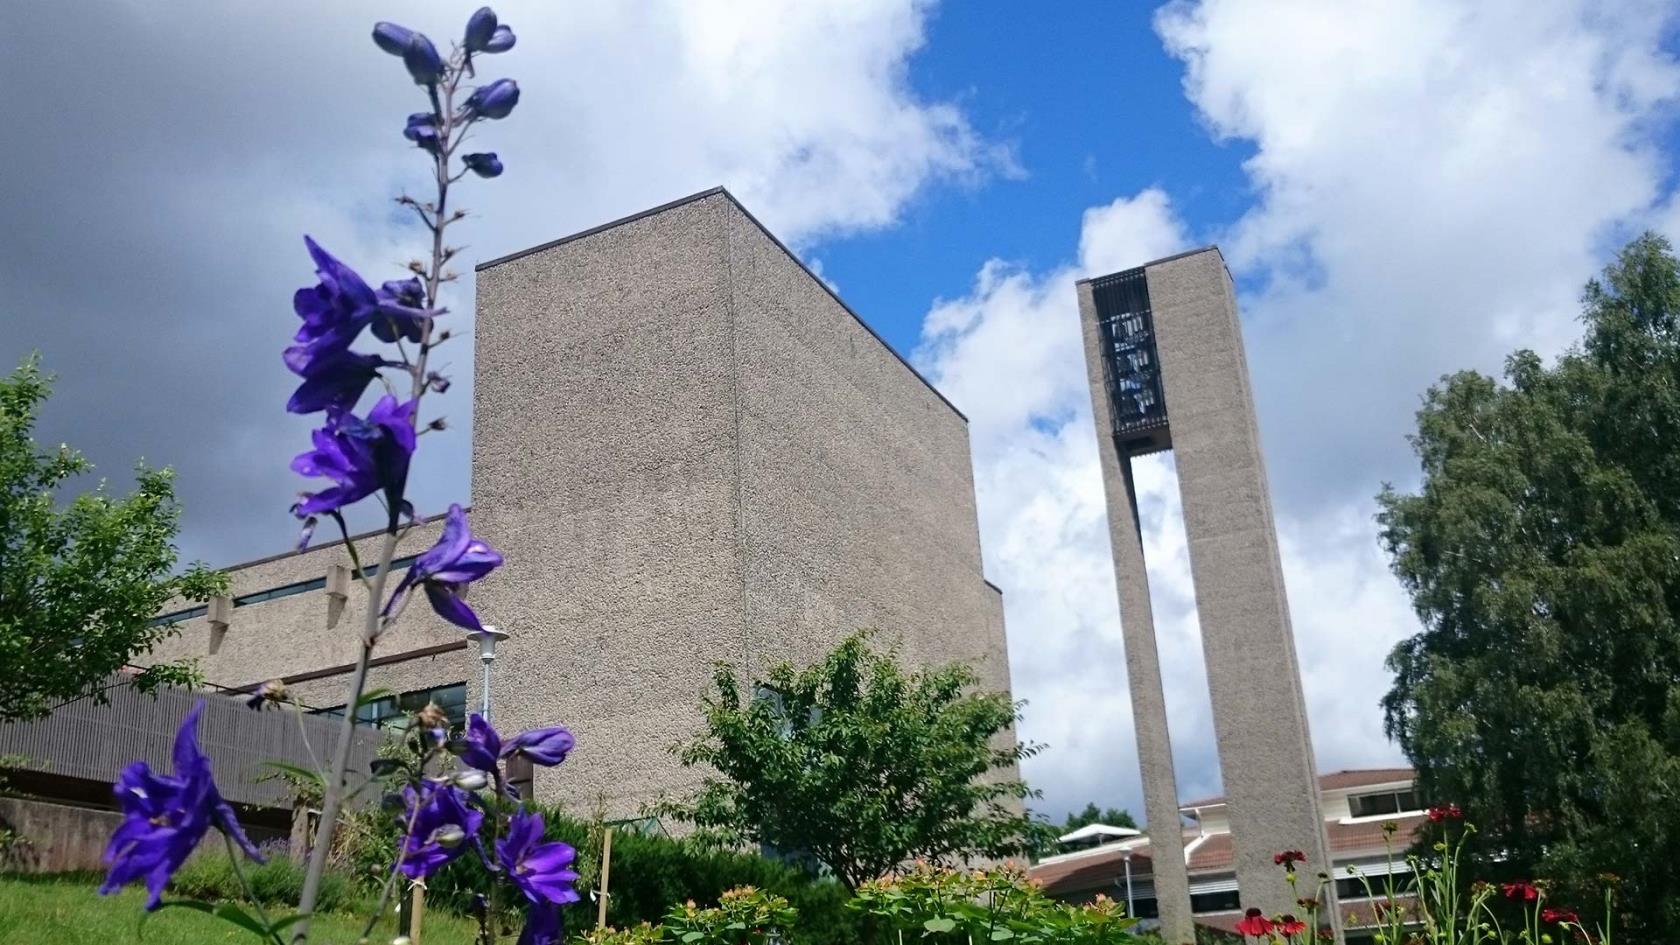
(1288, 858)
(1559, 916)
(1255, 923)
(1289, 925)
(1449, 812)
(1527, 892)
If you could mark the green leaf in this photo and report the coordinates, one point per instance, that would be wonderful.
(941, 924)
(227, 912)
(1002, 935)
(372, 696)
(296, 771)
(693, 936)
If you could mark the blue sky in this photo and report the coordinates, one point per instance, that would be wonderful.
(1402, 188)
(1093, 106)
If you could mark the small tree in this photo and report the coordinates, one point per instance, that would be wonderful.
(1112, 816)
(861, 766)
(79, 582)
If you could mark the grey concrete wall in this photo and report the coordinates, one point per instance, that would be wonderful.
(857, 505)
(1265, 750)
(289, 635)
(1143, 662)
(605, 469)
(690, 451)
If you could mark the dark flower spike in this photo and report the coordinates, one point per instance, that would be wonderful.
(542, 871)
(335, 381)
(422, 60)
(445, 570)
(501, 42)
(544, 746)
(443, 823)
(391, 37)
(361, 456)
(495, 100)
(480, 746)
(165, 817)
(542, 925)
(481, 27)
(484, 165)
(422, 130)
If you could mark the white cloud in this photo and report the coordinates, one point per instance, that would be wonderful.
(1434, 180)
(232, 130)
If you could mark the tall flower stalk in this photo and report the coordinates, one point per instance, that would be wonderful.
(370, 457)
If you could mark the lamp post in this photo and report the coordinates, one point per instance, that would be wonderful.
(1125, 855)
(487, 640)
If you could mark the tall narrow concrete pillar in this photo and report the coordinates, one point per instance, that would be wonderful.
(1165, 353)
(1143, 662)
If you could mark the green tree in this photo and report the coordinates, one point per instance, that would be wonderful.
(79, 580)
(1112, 816)
(1542, 553)
(861, 766)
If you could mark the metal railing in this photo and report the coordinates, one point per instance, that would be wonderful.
(92, 742)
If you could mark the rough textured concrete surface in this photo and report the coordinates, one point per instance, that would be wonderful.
(689, 452)
(1143, 663)
(1260, 720)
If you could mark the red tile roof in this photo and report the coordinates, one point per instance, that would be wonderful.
(1334, 781)
(1214, 853)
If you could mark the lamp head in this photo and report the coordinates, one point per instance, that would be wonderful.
(487, 640)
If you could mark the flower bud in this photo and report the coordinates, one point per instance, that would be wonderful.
(481, 26)
(470, 780)
(422, 130)
(432, 716)
(422, 60)
(273, 691)
(391, 37)
(501, 41)
(495, 100)
(439, 424)
(484, 164)
(437, 382)
(448, 836)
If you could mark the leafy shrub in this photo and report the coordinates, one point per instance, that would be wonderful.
(649, 874)
(210, 877)
(743, 916)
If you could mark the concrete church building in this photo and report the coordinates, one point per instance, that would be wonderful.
(689, 450)
(1164, 354)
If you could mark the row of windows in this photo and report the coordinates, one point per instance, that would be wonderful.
(273, 593)
(390, 710)
(1388, 802)
(1231, 900)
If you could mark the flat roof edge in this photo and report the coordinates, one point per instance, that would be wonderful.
(724, 192)
(1209, 248)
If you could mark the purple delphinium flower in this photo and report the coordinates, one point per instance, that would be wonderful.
(422, 60)
(422, 130)
(165, 816)
(479, 746)
(361, 456)
(391, 37)
(542, 925)
(481, 27)
(542, 871)
(544, 746)
(501, 42)
(445, 570)
(336, 309)
(443, 824)
(495, 100)
(405, 292)
(484, 165)
(335, 382)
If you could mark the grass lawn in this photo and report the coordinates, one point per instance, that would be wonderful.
(67, 911)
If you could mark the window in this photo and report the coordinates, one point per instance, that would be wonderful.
(273, 593)
(1215, 901)
(1387, 802)
(1353, 887)
(390, 710)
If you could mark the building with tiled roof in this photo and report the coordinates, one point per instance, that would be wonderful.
(1356, 805)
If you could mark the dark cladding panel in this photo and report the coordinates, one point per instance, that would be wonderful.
(1131, 368)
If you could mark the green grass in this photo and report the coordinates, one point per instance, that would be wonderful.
(65, 910)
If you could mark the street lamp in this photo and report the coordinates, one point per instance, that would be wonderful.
(487, 640)
(1126, 855)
